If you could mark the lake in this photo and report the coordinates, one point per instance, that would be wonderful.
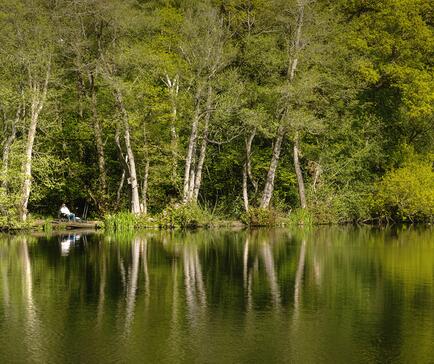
(320, 295)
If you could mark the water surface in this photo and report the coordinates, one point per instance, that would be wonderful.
(327, 295)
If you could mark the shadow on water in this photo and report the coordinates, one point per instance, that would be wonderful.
(320, 295)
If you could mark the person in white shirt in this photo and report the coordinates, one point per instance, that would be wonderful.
(65, 211)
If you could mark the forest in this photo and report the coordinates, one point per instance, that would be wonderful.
(319, 110)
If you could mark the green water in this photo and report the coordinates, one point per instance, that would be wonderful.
(328, 295)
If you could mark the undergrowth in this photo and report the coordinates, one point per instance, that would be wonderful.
(188, 215)
(257, 216)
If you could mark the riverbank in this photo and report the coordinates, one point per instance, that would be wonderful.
(118, 222)
(191, 217)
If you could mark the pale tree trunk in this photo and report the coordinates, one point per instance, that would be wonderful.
(173, 87)
(317, 175)
(301, 190)
(269, 183)
(202, 155)
(296, 45)
(39, 95)
(249, 142)
(191, 149)
(192, 177)
(98, 136)
(247, 171)
(135, 202)
(292, 67)
(144, 205)
(296, 49)
(119, 191)
(125, 167)
(245, 189)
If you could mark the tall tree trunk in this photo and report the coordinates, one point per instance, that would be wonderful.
(301, 190)
(98, 136)
(38, 100)
(245, 188)
(269, 184)
(296, 44)
(192, 177)
(247, 171)
(125, 167)
(198, 177)
(249, 142)
(191, 149)
(135, 202)
(173, 87)
(144, 206)
(293, 67)
(119, 191)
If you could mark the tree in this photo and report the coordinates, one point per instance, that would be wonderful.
(33, 59)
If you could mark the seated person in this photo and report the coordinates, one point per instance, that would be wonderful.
(65, 211)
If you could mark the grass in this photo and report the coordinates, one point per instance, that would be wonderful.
(257, 216)
(301, 217)
(189, 215)
(121, 221)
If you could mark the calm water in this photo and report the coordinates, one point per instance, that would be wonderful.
(329, 295)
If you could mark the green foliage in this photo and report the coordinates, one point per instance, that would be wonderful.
(48, 226)
(329, 205)
(189, 215)
(396, 40)
(257, 216)
(406, 193)
(301, 217)
(121, 221)
(363, 87)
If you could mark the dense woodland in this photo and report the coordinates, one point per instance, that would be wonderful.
(321, 108)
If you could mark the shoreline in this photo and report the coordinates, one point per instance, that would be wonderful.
(49, 226)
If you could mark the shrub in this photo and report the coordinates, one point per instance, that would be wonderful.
(188, 215)
(121, 221)
(301, 217)
(406, 193)
(331, 205)
(257, 216)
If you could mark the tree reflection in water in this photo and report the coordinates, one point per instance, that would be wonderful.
(233, 296)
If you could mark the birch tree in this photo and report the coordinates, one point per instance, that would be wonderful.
(38, 88)
(205, 51)
(30, 49)
(293, 39)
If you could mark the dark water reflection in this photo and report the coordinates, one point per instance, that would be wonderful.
(330, 295)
